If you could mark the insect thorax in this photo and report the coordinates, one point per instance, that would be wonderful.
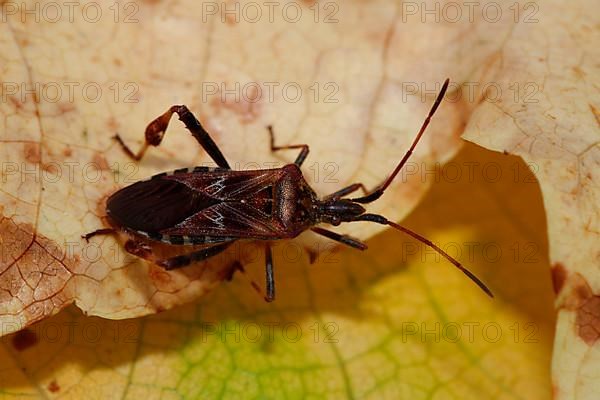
(295, 202)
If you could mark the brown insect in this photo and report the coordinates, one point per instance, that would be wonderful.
(217, 206)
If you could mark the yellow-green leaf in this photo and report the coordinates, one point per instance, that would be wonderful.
(392, 322)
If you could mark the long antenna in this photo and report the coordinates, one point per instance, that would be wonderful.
(378, 191)
(384, 221)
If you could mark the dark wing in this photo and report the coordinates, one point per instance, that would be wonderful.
(156, 204)
(194, 203)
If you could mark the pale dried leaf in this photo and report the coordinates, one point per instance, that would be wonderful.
(555, 127)
(170, 56)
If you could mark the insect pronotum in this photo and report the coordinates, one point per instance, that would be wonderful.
(217, 206)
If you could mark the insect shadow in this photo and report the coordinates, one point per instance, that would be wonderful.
(216, 207)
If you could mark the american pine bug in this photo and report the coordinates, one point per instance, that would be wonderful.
(217, 206)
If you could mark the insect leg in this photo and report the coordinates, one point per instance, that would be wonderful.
(135, 247)
(270, 278)
(237, 266)
(346, 191)
(347, 240)
(97, 232)
(378, 191)
(155, 131)
(303, 153)
(196, 256)
(139, 249)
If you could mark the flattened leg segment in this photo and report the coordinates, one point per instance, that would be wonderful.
(155, 132)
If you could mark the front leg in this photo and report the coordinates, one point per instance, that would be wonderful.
(346, 191)
(155, 131)
(345, 239)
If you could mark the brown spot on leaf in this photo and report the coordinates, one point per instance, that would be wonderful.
(24, 339)
(554, 391)
(53, 386)
(586, 305)
(100, 162)
(588, 320)
(578, 72)
(596, 114)
(230, 19)
(32, 153)
(112, 124)
(160, 277)
(559, 276)
(52, 169)
(246, 105)
(16, 102)
(65, 107)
